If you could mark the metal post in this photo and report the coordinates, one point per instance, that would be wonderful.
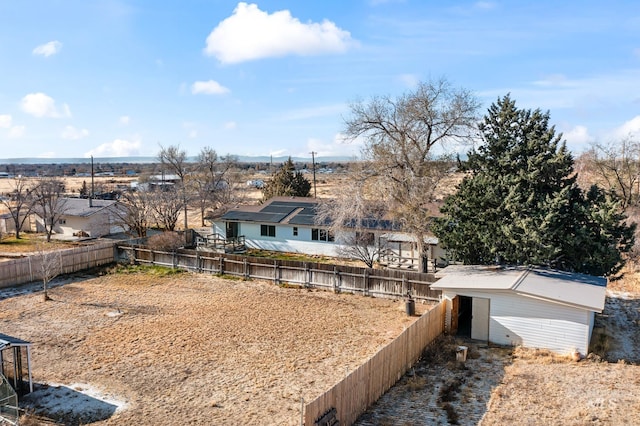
(29, 368)
(313, 161)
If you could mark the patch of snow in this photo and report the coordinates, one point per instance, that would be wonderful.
(75, 402)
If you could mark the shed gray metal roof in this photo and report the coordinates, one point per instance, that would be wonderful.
(562, 287)
(81, 207)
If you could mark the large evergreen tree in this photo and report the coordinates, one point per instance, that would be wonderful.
(286, 181)
(520, 204)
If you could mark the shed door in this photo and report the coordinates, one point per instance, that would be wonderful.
(480, 319)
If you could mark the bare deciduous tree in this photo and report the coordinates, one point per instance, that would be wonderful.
(214, 181)
(136, 212)
(50, 203)
(617, 164)
(166, 206)
(49, 267)
(20, 203)
(354, 219)
(400, 137)
(175, 160)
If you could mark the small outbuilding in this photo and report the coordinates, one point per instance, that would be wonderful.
(15, 363)
(528, 306)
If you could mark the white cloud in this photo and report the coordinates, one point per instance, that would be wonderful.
(409, 80)
(628, 129)
(250, 33)
(116, 148)
(210, 87)
(16, 132)
(124, 120)
(48, 49)
(230, 125)
(71, 133)
(577, 138)
(338, 147)
(278, 152)
(193, 134)
(5, 121)
(41, 105)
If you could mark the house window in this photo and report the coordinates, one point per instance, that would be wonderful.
(295, 231)
(268, 230)
(62, 221)
(321, 235)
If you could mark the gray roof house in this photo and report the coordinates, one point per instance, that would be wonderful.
(83, 217)
(528, 306)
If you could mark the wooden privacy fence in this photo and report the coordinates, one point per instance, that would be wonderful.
(66, 261)
(338, 278)
(348, 399)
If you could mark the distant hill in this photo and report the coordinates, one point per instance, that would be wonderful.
(147, 160)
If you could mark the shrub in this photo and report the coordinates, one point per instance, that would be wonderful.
(170, 241)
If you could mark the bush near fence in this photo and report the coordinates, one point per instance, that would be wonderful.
(29, 268)
(348, 399)
(350, 279)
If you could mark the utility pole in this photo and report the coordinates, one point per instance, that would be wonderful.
(92, 185)
(313, 160)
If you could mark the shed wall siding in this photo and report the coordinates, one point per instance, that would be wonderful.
(519, 320)
(539, 324)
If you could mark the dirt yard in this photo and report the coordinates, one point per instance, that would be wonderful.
(504, 386)
(192, 349)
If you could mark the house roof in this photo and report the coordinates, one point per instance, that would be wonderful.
(293, 211)
(80, 206)
(568, 288)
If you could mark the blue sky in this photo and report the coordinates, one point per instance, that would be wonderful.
(122, 77)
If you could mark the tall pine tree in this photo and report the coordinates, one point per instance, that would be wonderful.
(287, 182)
(520, 204)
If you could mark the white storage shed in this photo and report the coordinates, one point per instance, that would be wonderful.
(527, 306)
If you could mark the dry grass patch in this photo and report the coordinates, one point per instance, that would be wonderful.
(197, 348)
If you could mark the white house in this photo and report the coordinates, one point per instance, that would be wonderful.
(288, 224)
(528, 306)
(82, 217)
(284, 224)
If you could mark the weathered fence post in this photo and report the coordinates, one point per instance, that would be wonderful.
(405, 289)
(198, 267)
(221, 265)
(245, 269)
(336, 280)
(366, 282)
(276, 272)
(307, 275)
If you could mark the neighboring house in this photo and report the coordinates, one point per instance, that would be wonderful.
(83, 217)
(8, 225)
(528, 306)
(288, 224)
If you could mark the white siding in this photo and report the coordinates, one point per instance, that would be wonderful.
(284, 240)
(520, 320)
